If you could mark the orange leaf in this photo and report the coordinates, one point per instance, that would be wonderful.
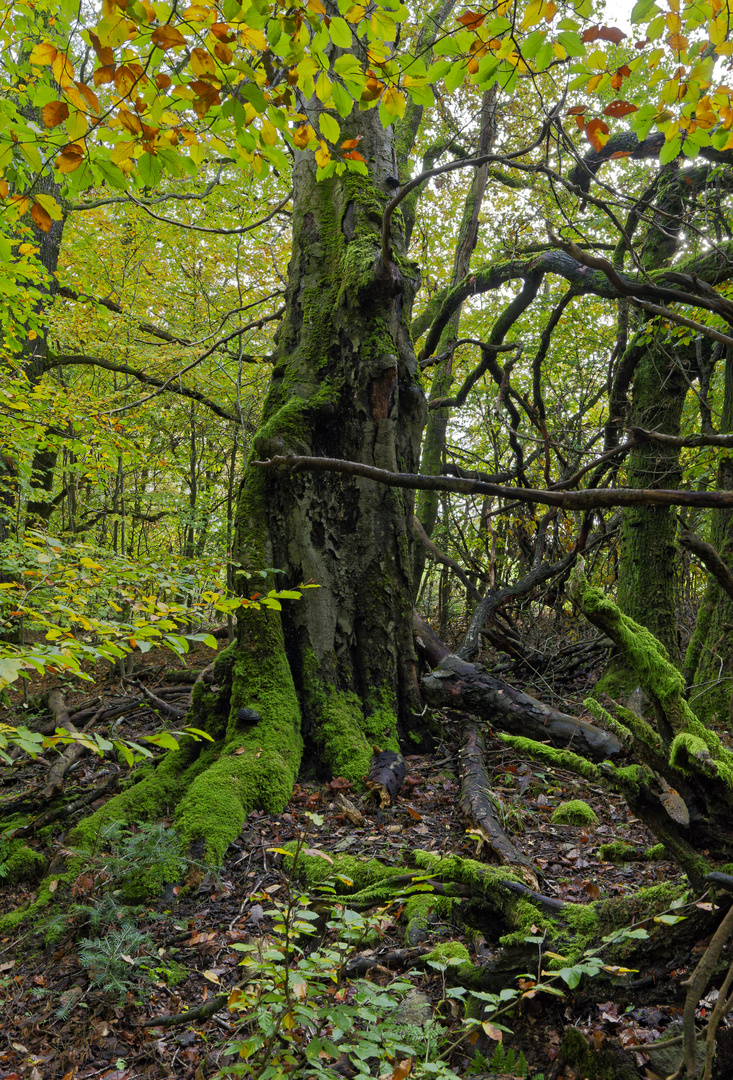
(168, 37)
(41, 217)
(471, 19)
(619, 108)
(621, 154)
(54, 113)
(349, 144)
(223, 53)
(354, 155)
(163, 81)
(597, 133)
(104, 53)
(577, 110)
(403, 1070)
(89, 96)
(104, 75)
(611, 33)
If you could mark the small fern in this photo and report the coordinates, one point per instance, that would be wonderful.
(112, 960)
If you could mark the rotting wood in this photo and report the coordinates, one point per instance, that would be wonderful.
(386, 775)
(72, 753)
(352, 812)
(456, 684)
(477, 806)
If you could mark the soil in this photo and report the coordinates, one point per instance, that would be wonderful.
(56, 1022)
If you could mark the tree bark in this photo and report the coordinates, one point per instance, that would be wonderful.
(334, 672)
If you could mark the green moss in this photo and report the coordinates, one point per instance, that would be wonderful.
(21, 863)
(561, 759)
(588, 924)
(48, 893)
(596, 1064)
(422, 911)
(691, 754)
(446, 951)
(575, 812)
(655, 853)
(313, 870)
(618, 852)
(343, 728)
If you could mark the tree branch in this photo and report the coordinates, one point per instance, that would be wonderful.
(588, 499)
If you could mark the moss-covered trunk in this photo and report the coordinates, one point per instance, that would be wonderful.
(709, 660)
(646, 591)
(334, 672)
(345, 385)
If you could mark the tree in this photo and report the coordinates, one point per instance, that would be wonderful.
(340, 99)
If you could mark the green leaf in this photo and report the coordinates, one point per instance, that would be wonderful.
(571, 43)
(330, 129)
(670, 150)
(340, 32)
(164, 739)
(149, 169)
(642, 9)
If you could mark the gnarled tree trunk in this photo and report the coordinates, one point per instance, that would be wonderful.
(334, 672)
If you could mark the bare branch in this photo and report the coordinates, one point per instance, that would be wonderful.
(588, 499)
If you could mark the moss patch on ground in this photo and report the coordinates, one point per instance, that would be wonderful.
(575, 812)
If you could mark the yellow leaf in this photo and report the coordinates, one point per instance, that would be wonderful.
(63, 70)
(253, 39)
(268, 133)
(211, 976)
(355, 14)
(394, 101)
(324, 88)
(316, 7)
(43, 53)
(533, 14)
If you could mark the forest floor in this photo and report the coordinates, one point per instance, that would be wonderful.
(60, 1019)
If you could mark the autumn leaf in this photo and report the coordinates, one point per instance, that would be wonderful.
(202, 63)
(104, 75)
(611, 33)
(89, 96)
(354, 155)
(350, 144)
(41, 217)
(471, 19)
(620, 108)
(54, 113)
(168, 37)
(70, 158)
(105, 55)
(403, 1070)
(492, 1031)
(43, 53)
(63, 70)
(597, 133)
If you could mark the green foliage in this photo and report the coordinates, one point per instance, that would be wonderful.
(114, 962)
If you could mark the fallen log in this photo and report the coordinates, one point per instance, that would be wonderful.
(456, 684)
(477, 806)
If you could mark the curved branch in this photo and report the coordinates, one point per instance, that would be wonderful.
(79, 360)
(445, 560)
(710, 559)
(239, 231)
(588, 499)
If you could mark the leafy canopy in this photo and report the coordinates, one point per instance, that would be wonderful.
(139, 89)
